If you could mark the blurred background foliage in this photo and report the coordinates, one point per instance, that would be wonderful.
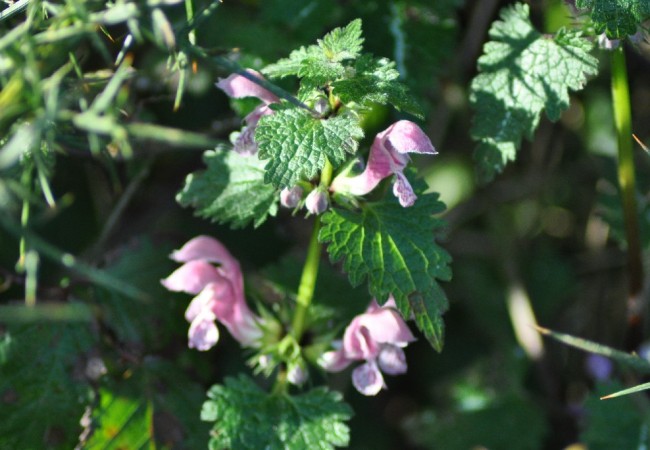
(106, 107)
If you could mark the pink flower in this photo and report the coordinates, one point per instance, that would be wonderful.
(238, 86)
(376, 337)
(220, 292)
(388, 156)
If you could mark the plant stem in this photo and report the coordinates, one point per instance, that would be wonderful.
(626, 176)
(307, 283)
(310, 270)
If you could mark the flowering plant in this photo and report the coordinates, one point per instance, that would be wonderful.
(300, 154)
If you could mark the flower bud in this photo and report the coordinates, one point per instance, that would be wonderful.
(296, 374)
(317, 202)
(321, 105)
(290, 197)
(606, 43)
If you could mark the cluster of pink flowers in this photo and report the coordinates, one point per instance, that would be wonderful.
(388, 154)
(219, 293)
(376, 337)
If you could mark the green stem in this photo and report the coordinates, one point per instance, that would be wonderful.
(310, 270)
(307, 283)
(626, 175)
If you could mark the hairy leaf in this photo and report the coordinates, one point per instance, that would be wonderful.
(395, 250)
(616, 18)
(246, 417)
(298, 144)
(522, 73)
(41, 401)
(231, 190)
(140, 264)
(322, 62)
(376, 81)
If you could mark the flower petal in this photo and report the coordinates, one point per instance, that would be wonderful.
(386, 326)
(403, 190)
(204, 248)
(405, 136)
(334, 361)
(203, 333)
(367, 379)
(191, 277)
(392, 360)
(237, 86)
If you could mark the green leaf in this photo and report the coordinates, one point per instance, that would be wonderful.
(298, 144)
(394, 249)
(343, 43)
(152, 322)
(626, 359)
(156, 405)
(41, 400)
(291, 66)
(522, 72)
(246, 417)
(376, 81)
(231, 190)
(613, 423)
(616, 18)
(122, 421)
(321, 63)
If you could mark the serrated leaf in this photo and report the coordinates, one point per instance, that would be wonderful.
(291, 66)
(140, 264)
(156, 405)
(343, 43)
(626, 359)
(616, 423)
(616, 18)
(376, 81)
(321, 63)
(122, 422)
(298, 144)
(522, 72)
(395, 250)
(41, 400)
(246, 417)
(231, 190)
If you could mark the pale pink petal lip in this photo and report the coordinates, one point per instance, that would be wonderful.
(203, 333)
(392, 360)
(191, 277)
(334, 361)
(367, 379)
(238, 86)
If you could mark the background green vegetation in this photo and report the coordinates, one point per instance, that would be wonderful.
(99, 180)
